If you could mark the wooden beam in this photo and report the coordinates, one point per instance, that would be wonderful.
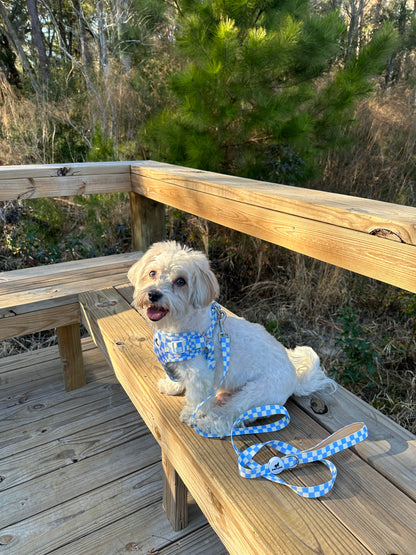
(147, 221)
(57, 180)
(360, 214)
(290, 225)
(40, 320)
(175, 496)
(69, 340)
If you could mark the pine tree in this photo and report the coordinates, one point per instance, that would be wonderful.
(261, 90)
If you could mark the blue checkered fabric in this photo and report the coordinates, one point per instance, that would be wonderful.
(171, 347)
(249, 468)
(177, 347)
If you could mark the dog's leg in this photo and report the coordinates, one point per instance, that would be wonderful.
(169, 387)
(220, 419)
(196, 392)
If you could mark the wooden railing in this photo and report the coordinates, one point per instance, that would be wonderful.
(372, 238)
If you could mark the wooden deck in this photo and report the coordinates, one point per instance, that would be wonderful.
(79, 471)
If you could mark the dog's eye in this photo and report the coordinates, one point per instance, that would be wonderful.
(152, 273)
(180, 282)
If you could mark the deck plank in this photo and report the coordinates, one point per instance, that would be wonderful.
(53, 428)
(148, 531)
(116, 482)
(71, 520)
(45, 458)
(40, 379)
(53, 489)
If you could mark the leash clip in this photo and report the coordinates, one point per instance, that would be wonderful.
(221, 315)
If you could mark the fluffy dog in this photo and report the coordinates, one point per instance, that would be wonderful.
(174, 288)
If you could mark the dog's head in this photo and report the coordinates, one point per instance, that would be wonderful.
(170, 281)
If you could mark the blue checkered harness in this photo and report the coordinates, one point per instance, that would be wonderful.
(177, 347)
(171, 347)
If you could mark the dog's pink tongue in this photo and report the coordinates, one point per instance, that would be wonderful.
(156, 313)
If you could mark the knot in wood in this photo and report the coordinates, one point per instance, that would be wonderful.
(386, 234)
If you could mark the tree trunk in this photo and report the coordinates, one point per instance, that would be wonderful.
(102, 39)
(13, 39)
(7, 61)
(82, 34)
(38, 39)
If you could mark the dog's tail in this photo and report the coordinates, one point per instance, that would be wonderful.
(311, 377)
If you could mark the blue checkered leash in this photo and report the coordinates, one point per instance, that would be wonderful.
(171, 347)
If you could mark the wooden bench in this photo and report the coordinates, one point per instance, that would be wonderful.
(371, 509)
(46, 297)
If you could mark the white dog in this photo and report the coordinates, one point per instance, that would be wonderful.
(176, 288)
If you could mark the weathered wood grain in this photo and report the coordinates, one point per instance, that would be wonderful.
(376, 257)
(75, 415)
(366, 215)
(69, 339)
(25, 466)
(149, 532)
(69, 482)
(50, 529)
(57, 180)
(57, 170)
(36, 380)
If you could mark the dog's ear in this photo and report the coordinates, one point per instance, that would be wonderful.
(205, 287)
(135, 271)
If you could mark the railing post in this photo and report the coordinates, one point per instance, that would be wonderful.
(148, 224)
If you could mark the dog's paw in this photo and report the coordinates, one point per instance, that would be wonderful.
(169, 387)
(186, 414)
(212, 426)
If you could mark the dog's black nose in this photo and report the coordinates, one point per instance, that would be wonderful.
(154, 296)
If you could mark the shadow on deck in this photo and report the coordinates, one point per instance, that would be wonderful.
(79, 471)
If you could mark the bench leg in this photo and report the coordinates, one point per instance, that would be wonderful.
(175, 495)
(69, 340)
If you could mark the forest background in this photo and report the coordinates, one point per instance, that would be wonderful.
(319, 94)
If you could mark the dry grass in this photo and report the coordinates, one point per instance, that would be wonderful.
(381, 162)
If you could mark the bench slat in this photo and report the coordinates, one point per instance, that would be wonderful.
(30, 289)
(40, 320)
(62, 267)
(390, 448)
(251, 516)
